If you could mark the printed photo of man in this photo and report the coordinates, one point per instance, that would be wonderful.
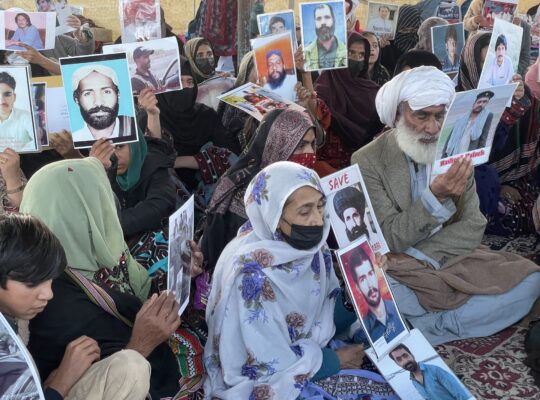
(381, 25)
(96, 92)
(278, 80)
(16, 128)
(501, 69)
(277, 25)
(350, 205)
(326, 51)
(25, 33)
(471, 131)
(451, 60)
(143, 75)
(382, 318)
(431, 382)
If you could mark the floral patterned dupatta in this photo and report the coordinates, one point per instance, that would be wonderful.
(271, 307)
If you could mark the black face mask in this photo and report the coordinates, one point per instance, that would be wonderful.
(183, 100)
(206, 65)
(355, 68)
(304, 237)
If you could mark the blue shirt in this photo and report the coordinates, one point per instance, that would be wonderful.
(30, 36)
(439, 384)
(393, 326)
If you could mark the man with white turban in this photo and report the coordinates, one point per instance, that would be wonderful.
(445, 283)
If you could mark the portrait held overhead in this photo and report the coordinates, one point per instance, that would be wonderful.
(140, 20)
(100, 104)
(20, 30)
(324, 35)
(154, 64)
(503, 55)
(382, 19)
(447, 43)
(279, 22)
(274, 61)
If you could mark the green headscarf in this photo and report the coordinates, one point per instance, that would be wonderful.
(137, 152)
(75, 200)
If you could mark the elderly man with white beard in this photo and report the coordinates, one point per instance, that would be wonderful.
(445, 282)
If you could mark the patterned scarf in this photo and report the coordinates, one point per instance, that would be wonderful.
(259, 297)
(470, 67)
(408, 19)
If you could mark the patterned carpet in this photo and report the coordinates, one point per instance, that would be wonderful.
(492, 367)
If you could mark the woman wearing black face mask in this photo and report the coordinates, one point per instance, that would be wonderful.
(203, 148)
(346, 107)
(275, 288)
(201, 58)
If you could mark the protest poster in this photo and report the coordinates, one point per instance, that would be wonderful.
(278, 22)
(209, 90)
(97, 109)
(470, 124)
(416, 372)
(18, 129)
(40, 114)
(154, 64)
(502, 58)
(140, 20)
(20, 379)
(274, 63)
(371, 296)
(504, 10)
(350, 209)
(382, 19)
(256, 101)
(449, 11)
(56, 109)
(181, 226)
(34, 29)
(323, 23)
(447, 41)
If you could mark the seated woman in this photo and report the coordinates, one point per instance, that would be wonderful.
(282, 135)
(101, 293)
(346, 107)
(203, 147)
(201, 58)
(266, 340)
(12, 181)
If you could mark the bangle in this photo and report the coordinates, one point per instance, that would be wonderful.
(16, 190)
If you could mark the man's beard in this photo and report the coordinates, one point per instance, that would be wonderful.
(276, 83)
(325, 33)
(101, 121)
(377, 301)
(409, 142)
(356, 232)
(411, 366)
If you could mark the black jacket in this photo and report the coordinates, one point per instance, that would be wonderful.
(152, 199)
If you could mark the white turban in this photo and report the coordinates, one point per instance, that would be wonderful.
(420, 87)
(83, 72)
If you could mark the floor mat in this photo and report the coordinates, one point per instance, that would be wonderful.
(492, 367)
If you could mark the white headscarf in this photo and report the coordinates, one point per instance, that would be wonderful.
(420, 87)
(271, 308)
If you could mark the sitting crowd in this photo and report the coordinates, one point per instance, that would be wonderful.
(84, 234)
